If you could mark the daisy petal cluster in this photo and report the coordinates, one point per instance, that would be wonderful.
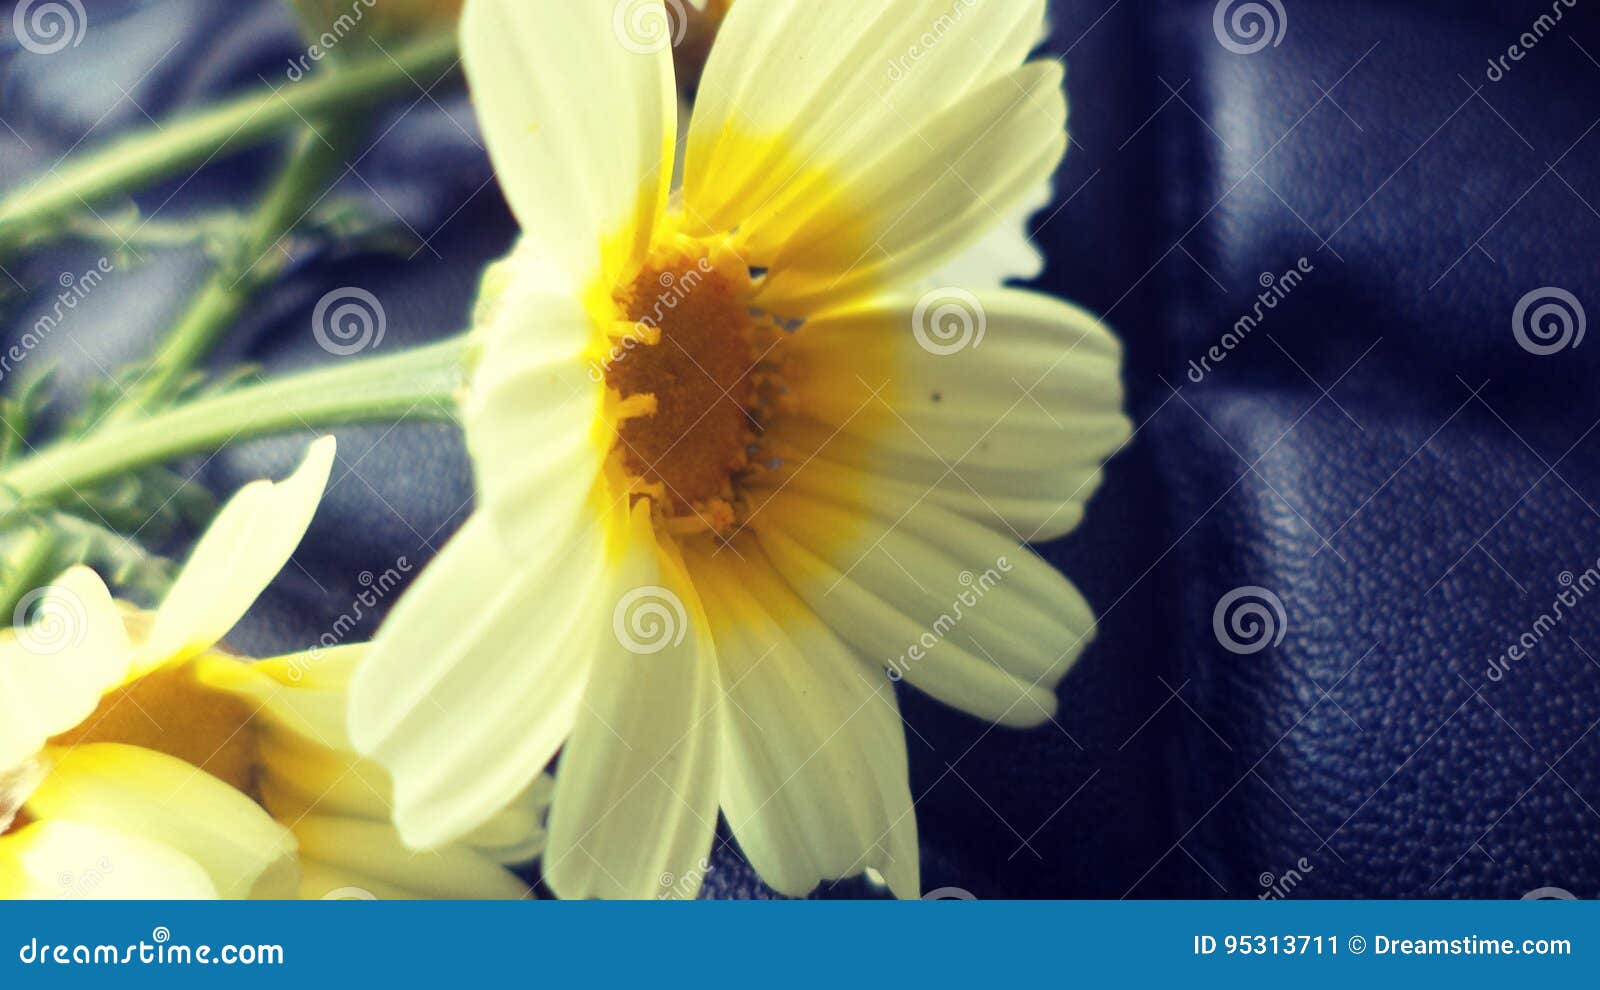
(141, 759)
(739, 469)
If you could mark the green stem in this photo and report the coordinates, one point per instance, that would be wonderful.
(415, 385)
(130, 162)
(312, 161)
(29, 567)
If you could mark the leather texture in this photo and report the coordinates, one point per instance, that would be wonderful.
(1377, 451)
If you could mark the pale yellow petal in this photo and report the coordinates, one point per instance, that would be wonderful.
(538, 378)
(350, 855)
(579, 118)
(245, 547)
(921, 202)
(163, 799)
(814, 775)
(54, 671)
(474, 680)
(68, 860)
(971, 599)
(635, 805)
(797, 91)
(304, 693)
(999, 404)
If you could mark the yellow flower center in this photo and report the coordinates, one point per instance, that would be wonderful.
(691, 364)
(171, 712)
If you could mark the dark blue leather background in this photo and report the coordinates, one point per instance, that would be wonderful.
(1380, 453)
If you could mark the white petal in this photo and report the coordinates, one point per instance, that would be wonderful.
(1004, 402)
(474, 680)
(798, 94)
(66, 860)
(245, 547)
(579, 126)
(163, 799)
(814, 777)
(54, 671)
(635, 806)
(345, 855)
(923, 200)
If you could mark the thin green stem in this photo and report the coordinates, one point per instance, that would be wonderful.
(312, 162)
(28, 567)
(415, 385)
(130, 162)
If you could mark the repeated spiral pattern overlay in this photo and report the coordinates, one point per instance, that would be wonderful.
(948, 321)
(1548, 321)
(645, 27)
(45, 27)
(1249, 619)
(1248, 26)
(649, 619)
(348, 321)
(49, 620)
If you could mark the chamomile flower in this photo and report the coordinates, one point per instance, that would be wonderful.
(140, 760)
(737, 471)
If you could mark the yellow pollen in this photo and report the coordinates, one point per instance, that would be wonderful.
(692, 383)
